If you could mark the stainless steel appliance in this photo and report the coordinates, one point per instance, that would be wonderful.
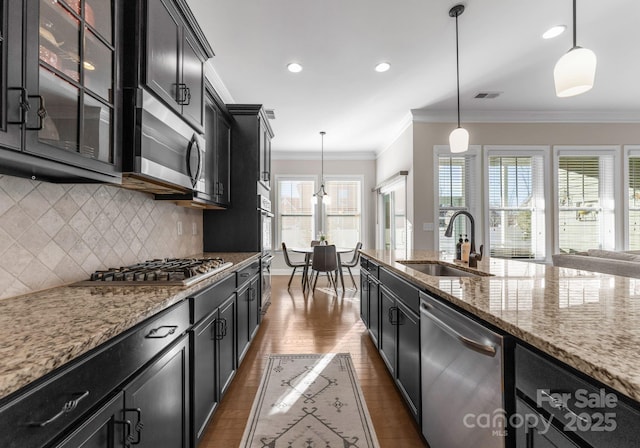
(168, 155)
(266, 219)
(462, 379)
(167, 271)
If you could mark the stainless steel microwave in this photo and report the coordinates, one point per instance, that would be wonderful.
(162, 153)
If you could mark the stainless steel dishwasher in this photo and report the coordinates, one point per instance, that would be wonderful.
(462, 379)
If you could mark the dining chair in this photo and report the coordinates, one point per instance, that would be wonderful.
(325, 260)
(292, 264)
(315, 243)
(353, 262)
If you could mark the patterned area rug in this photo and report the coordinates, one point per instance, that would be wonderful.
(309, 401)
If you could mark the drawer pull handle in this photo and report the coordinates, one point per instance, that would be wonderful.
(557, 403)
(244, 274)
(69, 406)
(138, 427)
(157, 334)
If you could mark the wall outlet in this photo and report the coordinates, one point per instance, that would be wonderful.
(194, 228)
(179, 228)
(427, 226)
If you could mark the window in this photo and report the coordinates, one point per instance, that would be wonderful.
(343, 215)
(516, 207)
(295, 211)
(633, 190)
(586, 215)
(455, 192)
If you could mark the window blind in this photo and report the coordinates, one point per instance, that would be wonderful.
(343, 215)
(516, 207)
(634, 203)
(586, 211)
(295, 211)
(455, 192)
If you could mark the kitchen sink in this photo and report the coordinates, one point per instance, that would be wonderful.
(441, 270)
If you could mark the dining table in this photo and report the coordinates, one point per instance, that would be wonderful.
(308, 251)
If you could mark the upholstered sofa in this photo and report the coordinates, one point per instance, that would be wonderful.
(625, 263)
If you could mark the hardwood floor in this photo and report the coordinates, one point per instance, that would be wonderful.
(295, 323)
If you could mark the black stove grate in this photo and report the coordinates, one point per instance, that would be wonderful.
(167, 270)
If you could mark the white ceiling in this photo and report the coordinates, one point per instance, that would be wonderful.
(339, 42)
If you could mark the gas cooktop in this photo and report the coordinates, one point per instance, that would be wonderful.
(166, 271)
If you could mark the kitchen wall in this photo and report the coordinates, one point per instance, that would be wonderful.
(395, 158)
(310, 166)
(54, 234)
(426, 135)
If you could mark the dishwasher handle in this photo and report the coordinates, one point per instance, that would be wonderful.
(476, 346)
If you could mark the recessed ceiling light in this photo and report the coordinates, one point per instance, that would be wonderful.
(383, 67)
(554, 31)
(294, 67)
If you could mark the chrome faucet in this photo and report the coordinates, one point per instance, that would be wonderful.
(474, 256)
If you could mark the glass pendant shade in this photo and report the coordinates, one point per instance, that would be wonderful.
(575, 72)
(459, 140)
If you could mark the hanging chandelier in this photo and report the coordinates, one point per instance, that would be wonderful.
(321, 193)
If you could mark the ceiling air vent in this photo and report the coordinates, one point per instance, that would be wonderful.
(488, 95)
(271, 114)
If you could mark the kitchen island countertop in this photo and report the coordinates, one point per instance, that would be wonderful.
(42, 331)
(587, 320)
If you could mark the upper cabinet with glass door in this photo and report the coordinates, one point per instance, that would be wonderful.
(59, 95)
(75, 83)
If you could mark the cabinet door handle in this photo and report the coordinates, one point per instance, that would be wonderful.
(391, 315)
(127, 433)
(69, 406)
(23, 103)
(221, 328)
(138, 427)
(224, 327)
(42, 113)
(157, 334)
(181, 93)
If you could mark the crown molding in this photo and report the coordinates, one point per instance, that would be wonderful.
(217, 83)
(516, 116)
(328, 155)
(407, 121)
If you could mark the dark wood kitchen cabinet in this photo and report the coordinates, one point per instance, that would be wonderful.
(218, 138)
(57, 404)
(370, 298)
(254, 139)
(174, 60)
(157, 401)
(248, 307)
(59, 105)
(390, 306)
(104, 429)
(213, 350)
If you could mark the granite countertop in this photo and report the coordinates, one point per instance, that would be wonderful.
(40, 332)
(588, 320)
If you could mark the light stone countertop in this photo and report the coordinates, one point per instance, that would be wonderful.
(588, 320)
(40, 332)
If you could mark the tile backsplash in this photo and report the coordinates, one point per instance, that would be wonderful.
(54, 234)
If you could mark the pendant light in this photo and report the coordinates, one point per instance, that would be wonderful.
(459, 137)
(575, 71)
(321, 193)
